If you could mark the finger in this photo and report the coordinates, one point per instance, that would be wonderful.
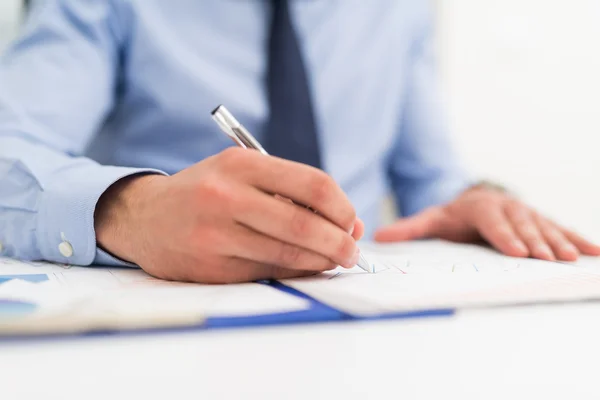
(585, 246)
(301, 183)
(496, 229)
(251, 245)
(358, 230)
(297, 226)
(562, 248)
(527, 229)
(419, 226)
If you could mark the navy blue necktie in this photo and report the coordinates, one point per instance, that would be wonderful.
(291, 131)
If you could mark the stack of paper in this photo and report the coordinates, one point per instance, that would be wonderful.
(414, 276)
(430, 275)
(48, 298)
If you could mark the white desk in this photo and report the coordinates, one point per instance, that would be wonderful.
(535, 352)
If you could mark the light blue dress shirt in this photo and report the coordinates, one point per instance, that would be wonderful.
(93, 91)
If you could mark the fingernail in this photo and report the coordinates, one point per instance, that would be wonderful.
(351, 231)
(354, 260)
(520, 246)
(545, 251)
(569, 248)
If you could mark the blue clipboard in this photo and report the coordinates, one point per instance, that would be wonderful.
(317, 312)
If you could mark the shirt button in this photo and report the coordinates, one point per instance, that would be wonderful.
(65, 249)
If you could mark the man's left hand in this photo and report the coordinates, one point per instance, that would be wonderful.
(497, 218)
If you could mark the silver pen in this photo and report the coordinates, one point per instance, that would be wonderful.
(244, 139)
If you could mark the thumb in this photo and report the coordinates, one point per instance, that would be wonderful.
(424, 224)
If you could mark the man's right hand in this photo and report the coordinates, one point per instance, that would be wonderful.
(218, 221)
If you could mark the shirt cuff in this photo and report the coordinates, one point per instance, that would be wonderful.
(435, 193)
(65, 231)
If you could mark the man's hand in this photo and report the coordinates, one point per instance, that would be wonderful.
(502, 221)
(218, 221)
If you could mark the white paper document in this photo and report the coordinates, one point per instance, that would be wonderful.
(428, 275)
(51, 297)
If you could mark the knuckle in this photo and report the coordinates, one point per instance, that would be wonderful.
(289, 255)
(528, 231)
(216, 191)
(232, 153)
(523, 227)
(321, 188)
(521, 217)
(233, 157)
(300, 223)
(544, 223)
(554, 235)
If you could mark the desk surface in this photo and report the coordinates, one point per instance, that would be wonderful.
(533, 352)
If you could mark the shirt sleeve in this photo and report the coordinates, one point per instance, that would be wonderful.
(57, 85)
(424, 168)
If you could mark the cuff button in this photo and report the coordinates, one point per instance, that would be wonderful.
(65, 249)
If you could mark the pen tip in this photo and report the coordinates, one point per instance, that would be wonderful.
(365, 265)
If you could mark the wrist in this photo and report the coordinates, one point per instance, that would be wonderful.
(487, 185)
(117, 216)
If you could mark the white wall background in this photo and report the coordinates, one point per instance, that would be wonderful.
(523, 88)
(523, 84)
